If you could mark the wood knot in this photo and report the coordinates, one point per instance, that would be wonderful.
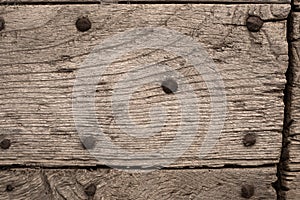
(5, 144)
(83, 24)
(169, 86)
(254, 23)
(90, 190)
(249, 139)
(2, 23)
(247, 191)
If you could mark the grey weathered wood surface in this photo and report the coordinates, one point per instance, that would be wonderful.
(111, 184)
(294, 110)
(155, 1)
(292, 173)
(40, 42)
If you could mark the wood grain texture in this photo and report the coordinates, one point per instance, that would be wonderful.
(41, 50)
(296, 5)
(145, 1)
(111, 184)
(292, 182)
(294, 110)
(292, 174)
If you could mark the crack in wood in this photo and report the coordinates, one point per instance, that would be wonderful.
(279, 185)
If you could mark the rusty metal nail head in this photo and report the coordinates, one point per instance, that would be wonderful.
(249, 139)
(169, 86)
(83, 24)
(247, 191)
(5, 144)
(89, 142)
(254, 23)
(90, 190)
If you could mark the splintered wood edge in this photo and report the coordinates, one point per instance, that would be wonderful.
(291, 182)
(291, 175)
(296, 5)
(34, 143)
(294, 134)
(112, 184)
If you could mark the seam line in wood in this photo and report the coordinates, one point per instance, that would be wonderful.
(54, 2)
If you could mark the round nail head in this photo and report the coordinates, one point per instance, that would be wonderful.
(9, 188)
(247, 191)
(83, 24)
(2, 23)
(254, 23)
(90, 190)
(169, 86)
(249, 139)
(89, 142)
(5, 144)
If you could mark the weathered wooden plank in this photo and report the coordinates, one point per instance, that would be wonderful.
(146, 1)
(294, 110)
(291, 175)
(296, 5)
(163, 184)
(41, 52)
(294, 35)
(291, 184)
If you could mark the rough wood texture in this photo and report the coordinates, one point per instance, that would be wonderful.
(292, 174)
(41, 51)
(294, 152)
(110, 184)
(160, 1)
(296, 5)
(292, 183)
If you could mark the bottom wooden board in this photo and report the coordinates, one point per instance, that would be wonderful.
(43, 52)
(254, 183)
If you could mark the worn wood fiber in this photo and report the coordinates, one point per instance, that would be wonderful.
(111, 184)
(145, 1)
(292, 175)
(291, 160)
(291, 184)
(41, 51)
(296, 5)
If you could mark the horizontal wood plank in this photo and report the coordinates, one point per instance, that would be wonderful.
(41, 52)
(163, 184)
(146, 1)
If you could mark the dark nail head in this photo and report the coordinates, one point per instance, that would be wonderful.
(247, 191)
(169, 86)
(249, 139)
(5, 144)
(254, 23)
(9, 188)
(83, 24)
(2, 23)
(90, 190)
(89, 142)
